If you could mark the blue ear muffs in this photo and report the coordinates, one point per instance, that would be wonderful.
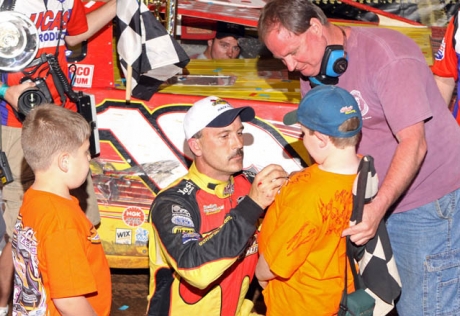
(334, 61)
(333, 64)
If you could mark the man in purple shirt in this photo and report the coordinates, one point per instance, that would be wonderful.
(407, 129)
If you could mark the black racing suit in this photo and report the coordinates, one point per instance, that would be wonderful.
(203, 251)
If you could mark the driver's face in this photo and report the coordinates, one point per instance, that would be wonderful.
(224, 48)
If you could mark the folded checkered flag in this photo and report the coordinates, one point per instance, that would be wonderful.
(376, 261)
(145, 44)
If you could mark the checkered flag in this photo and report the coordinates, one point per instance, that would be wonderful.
(376, 261)
(144, 44)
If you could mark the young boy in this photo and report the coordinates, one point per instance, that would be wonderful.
(60, 266)
(302, 254)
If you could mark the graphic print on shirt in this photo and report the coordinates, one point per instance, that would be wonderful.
(361, 103)
(94, 237)
(51, 24)
(29, 297)
(49, 17)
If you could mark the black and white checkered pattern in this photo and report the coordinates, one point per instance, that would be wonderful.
(376, 261)
(145, 44)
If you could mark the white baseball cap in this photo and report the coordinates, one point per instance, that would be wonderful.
(213, 112)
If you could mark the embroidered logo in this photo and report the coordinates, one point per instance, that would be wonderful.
(228, 190)
(182, 221)
(347, 109)
(186, 237)
(182, 229)
(178, 210)
(188, 189)
(361, 103)
(212, 209)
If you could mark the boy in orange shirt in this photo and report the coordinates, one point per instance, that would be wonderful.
(60, 266)
(302, 254)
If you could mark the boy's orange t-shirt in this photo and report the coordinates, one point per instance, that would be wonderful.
(302, 244)
(57, 253)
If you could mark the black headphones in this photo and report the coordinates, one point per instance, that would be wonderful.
(333, 64)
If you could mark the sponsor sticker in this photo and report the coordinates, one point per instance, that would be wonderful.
(142, 236)
(82, 75)
(123, 236)
(133, 216)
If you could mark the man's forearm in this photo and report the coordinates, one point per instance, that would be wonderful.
(446, 85)
(404, 166)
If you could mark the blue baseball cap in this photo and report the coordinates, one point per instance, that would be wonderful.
(324, 108)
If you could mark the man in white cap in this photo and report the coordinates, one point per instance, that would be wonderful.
(203, 251)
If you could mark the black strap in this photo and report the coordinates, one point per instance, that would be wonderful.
(357, 279)
(343, 301)
(359, 198)
(357, 215)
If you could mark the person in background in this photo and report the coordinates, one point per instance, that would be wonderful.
(203, 251)
(225, 44)
(59, 263)
(407, 128)
(446, 65)
(65, 23)
(302, 251)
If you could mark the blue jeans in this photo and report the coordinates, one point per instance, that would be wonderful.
(426, 246)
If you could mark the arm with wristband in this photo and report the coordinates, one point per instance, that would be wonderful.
(3, 89)
(11, 93)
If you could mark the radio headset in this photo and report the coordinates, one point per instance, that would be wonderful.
(333, 64)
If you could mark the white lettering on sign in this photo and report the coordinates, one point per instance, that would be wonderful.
(82, 75)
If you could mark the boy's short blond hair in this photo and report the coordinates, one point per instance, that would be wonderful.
(349, 125)
(342, 142)
(50, 129)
